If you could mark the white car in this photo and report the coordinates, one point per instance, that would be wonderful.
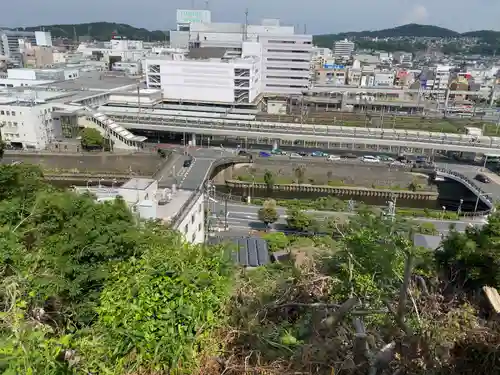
(294, 155)
(370, 159)
(333, 157)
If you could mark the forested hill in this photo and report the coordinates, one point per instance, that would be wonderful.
(101, 31)
(410, 30)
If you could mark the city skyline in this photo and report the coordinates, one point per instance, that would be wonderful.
(319, 17)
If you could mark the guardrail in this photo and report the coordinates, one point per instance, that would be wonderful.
(177, 218)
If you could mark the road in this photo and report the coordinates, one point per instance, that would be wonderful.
(242, 218)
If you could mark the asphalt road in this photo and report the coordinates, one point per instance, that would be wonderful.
(242, 218)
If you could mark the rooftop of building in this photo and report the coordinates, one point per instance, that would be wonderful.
(138, 183)
(94, 81)
(170, 209)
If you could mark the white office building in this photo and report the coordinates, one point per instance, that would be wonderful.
(207, 75)
(343, 49)
(286, 56)
(26, 122)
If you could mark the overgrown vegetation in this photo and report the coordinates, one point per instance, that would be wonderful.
(88, 289)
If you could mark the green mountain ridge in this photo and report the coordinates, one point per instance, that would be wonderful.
(100, 31)
(105, 30)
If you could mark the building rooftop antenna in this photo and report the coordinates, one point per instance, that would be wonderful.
(245, 31)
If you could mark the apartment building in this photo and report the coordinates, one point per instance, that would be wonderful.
(343, 49)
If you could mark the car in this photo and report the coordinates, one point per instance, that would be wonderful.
(319, 154)
(264, 154)
(349, 155)
(333, 157)
(243, 153)
(187, 163)
(396, 163)
(302, 153)
(482, 178)
(295, 155)
(370, 159)
(386, 158)
(277, 151)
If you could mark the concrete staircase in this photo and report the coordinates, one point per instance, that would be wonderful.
(121, 137)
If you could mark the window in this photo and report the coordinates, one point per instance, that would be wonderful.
(2, 112)
(7, 113)
(192, 219)
(193, 238)
(15, 123)
(200, 208)
(199, 227)
(185, 229)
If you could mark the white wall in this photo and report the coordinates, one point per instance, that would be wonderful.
(6, 82)
(31, 126)
(133, 196)
(192, 226)
(204, 80)
(43, 38)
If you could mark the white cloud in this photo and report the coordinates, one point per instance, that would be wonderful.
(417, 14)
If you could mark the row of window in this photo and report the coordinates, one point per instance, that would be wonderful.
(9, 123)
(285, 51)
(8, 113)
(289, 42)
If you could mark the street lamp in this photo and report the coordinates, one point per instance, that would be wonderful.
(460, 207)
(444, 211)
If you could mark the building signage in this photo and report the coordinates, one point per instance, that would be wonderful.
(333, 66)
(193, 16)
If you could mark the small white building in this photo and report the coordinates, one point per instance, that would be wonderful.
(383, 79)
(207, 75)
(343, 49)
(43, 38)
(26, 122)
(182, 209)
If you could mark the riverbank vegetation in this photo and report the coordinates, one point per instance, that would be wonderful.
(86, 288)
(338, 205)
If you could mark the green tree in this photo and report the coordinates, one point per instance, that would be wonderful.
(298, 220)
(92, 139)
(269, 180)
(472, 258)
(276, 241)
(268, 214)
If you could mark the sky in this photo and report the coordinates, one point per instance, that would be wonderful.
(319, 16)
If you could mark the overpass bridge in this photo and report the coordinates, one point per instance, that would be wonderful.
(308, 135)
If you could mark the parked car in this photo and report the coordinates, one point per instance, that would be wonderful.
(302, 153)
(277, 151)
(482, 178)
(187, 163)
(264, 154)
(333, 157)
(295, 155)
(369, 159)
(349, 155)
(319, 154)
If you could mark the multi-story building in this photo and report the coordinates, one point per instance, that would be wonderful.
(26, 122)
(383, 79)
(343, 49)
(286, 63)
(207, 75)
(11, 42)
(286, 56)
